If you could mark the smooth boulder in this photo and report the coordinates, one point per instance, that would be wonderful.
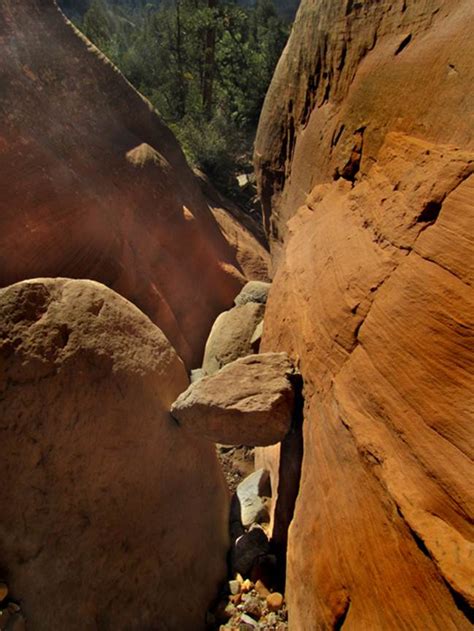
(248, 402)
(97, 480)
(253, 291)
(231, 336)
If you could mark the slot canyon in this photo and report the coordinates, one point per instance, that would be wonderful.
(208, 422)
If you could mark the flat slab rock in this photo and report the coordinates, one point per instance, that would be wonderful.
(248, 402)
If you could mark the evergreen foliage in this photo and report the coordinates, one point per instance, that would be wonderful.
(204, 64)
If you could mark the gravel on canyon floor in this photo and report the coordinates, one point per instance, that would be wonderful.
(247, 606)
(237, 462)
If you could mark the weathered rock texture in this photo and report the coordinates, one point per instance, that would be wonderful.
(252, 257)
(248, 402)
(253, 291)
(231, 336)
(244, 234)
(97, 480)
(368, 128)
(93, 185)
(351, 72)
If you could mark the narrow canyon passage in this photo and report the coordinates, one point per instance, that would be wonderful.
(236, 392)
(241, 400)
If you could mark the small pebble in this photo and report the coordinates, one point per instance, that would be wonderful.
(253, 607)
(275, 601)
(271, 618)
(230, 611)
(247, 586)
(261, 589)
(234, 587)
(248, 621)
(236, 598)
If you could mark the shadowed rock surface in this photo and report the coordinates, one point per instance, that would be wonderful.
(244, 234)
(248, 402)
(366, 144)
(97, 480)
(94, 185)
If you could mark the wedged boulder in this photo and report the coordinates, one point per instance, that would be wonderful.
(231, 336)
(253, 291)
(97, 480)
(248, 402)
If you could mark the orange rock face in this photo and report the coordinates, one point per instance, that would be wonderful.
(93, 185)
(370, 153)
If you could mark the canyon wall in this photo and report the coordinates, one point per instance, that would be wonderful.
(365, 160)
(94, 185)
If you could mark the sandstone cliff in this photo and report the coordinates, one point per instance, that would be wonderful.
(366, 144)
(93, 185)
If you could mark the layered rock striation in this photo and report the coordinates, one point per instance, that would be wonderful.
(366, 146)
(352, 72)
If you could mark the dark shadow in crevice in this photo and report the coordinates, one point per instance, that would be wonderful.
(403, 44)
(340, 620)
(430, 212)
(463, 606)
(289, 475)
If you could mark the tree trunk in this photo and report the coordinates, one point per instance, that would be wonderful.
(209, 64)
(181, 92)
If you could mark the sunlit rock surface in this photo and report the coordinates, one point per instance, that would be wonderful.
(250, 401)
(366, 144)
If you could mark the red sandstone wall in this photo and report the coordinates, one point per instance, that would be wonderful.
(366, 143)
